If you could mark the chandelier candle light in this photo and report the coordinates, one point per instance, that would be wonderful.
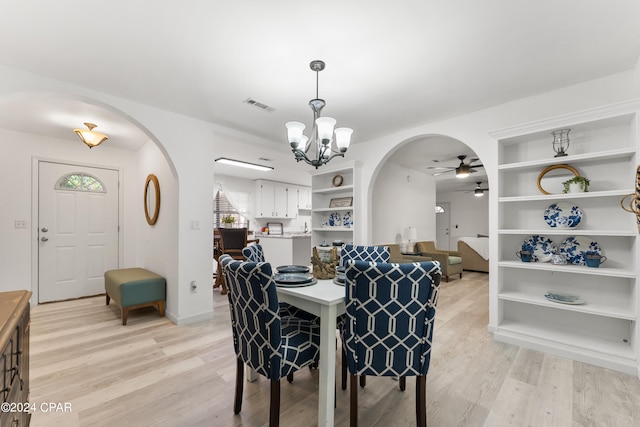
(321, 134)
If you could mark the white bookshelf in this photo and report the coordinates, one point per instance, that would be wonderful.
(322, 191)
(602, 331)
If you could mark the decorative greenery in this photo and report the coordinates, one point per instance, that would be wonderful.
(576, 180)
(228, 219)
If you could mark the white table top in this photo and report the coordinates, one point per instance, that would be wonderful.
(324, 292)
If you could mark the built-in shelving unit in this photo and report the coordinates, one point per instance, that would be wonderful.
(323, 191)
(604, 143)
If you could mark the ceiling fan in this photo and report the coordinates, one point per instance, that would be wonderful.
(478, 191)
(462, 170)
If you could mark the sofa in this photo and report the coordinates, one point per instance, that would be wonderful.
(450, 261)
(396, 255)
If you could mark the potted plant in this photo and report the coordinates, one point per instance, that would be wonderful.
(577, 184)
(228, 220)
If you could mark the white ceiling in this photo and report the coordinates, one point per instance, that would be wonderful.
(390, 65)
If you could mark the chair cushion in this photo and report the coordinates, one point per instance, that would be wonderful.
(453, 260)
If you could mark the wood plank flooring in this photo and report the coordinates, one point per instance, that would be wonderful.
(154, 373)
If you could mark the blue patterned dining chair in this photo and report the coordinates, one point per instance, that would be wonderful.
(261, 340)
(390, 310)
(254, 253)
(364, 253)
(359, 253)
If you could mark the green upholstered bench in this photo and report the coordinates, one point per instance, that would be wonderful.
(132, 288)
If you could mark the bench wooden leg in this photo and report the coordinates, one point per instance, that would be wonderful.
(125, 312)
(161, 308)
(108, 299)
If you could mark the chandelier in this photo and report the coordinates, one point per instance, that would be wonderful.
(321, 134)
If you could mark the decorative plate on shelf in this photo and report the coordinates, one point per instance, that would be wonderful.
(347, 220)
(335, 220)
(564, 298)
(563, 215)
(575, 247)
(543, 248)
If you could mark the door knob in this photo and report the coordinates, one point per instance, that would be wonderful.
(45, 229)
(44, 239)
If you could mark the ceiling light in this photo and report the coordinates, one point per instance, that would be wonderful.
(90, 137)
(243, 164)
(321, 133)
(463, 171)
(478, 192)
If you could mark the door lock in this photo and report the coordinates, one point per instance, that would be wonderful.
(45, 229)
(44, 239)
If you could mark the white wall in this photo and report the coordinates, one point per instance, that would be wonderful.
(18, 151)
(469, 215)
(402, 198)
(156, 248)
(473, 129)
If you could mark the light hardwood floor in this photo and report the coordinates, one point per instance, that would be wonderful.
(153, 373)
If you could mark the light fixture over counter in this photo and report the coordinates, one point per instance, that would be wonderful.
(91, 137)
(242, 164)
(321, 133)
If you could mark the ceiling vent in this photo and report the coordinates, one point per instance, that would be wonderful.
(259, 105)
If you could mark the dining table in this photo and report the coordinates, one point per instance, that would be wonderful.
(324, 299)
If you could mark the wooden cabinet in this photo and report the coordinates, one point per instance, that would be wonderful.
(323, 216)
(14, 356)
(602, 331)
(277, 199)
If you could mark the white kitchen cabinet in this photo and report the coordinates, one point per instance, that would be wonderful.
(304, 198)
(603, 331)
(277, 199)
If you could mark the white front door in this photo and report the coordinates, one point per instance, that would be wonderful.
(443, 225)
(77, 230)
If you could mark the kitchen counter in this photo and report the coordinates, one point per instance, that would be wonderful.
(286, 249)
(284, 236)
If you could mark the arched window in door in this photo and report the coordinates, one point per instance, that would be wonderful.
(78, 181)
(439, 209)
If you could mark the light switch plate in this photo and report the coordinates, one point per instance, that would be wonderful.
(21, 223)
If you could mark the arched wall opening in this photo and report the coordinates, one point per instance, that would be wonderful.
(403, 192)
(41, 130)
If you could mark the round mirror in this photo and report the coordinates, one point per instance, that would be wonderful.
(551, 178)
(151, 199)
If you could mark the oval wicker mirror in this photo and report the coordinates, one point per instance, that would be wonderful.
(551, 178)
(151, 199)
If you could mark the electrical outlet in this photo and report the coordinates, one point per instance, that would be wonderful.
(194, 286)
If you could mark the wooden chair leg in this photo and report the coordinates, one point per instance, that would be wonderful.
(290, 377)
(363, 380)
(403, 383)
(274, 410)
(353, 407)
(421, 401)
(237, 404)
(344, 369)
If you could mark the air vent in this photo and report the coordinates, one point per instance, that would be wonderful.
(259, 105)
